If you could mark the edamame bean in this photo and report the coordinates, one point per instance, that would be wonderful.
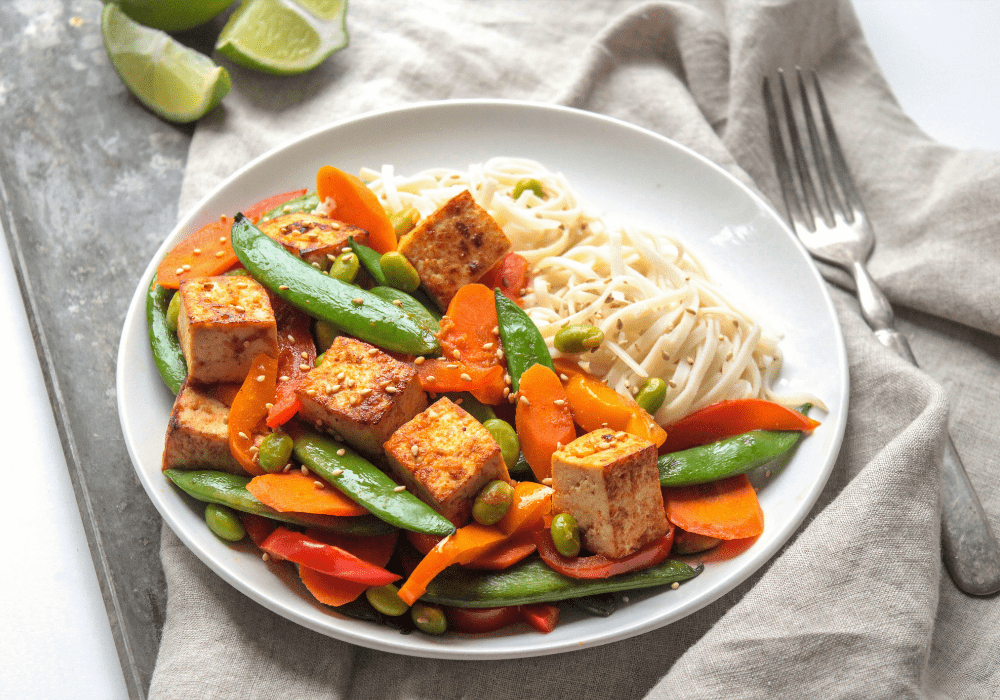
(404, 221)
(386, 600)
(275, 451)
(429, 619)
(174, 311)
(345, 267)
(506, 437)
(566, 534)
(652, 394)
(528, 183)
(578, 338)
(325, 334)
(224, 522)
(398, 271)
(493, 502)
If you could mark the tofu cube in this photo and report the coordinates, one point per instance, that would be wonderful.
(360, 394)
(445, 457)
(198, 433)
(609, 482)
(454, 246)
(312, 236)
(224, 323)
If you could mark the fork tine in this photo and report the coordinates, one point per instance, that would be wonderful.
(852, 200)
(809, 198)
(793, 204)
(829, 191)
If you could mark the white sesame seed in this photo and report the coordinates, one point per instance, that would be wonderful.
(398, 303)
(341, 375)
(372, 352)
(222, 239)
(304, 367)
(282, 286)
(451, 365)
(358, 300)
(672, 384)
(264, 556)
(304, 470)
(465, 377)
(337, 472)
(691, 311)
(624, 598)
(196, 251)
(240, 309)
(496, 330)
(318, 484)
(457, 354)
(419, 360)
(559, 402)
(304, 355)
(547, 481)
(341, 452)
(315, 264)
(487, 346)
(430, 379)
(675, 585)
(350, 383)
(254, 448)
(499, 353)
(391, 390)
(311, 392)
(269, 406)
(283, 378)
(365, 391)
(335, 388)
(179, 271)
(399, 488)
(219, 254)
(414, 450)
(243, 435)
(524, 400)
(287, 208)
(288, 468)
(563, 377)
(261, 377)
(507, 379)
(506, 391)
(559, 445)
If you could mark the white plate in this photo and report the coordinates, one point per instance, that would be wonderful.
(628, 172)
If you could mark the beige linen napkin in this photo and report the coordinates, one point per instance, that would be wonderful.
(856, 606)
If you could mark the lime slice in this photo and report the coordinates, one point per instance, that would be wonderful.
(175, 82)
(284, 37)
(173, 15)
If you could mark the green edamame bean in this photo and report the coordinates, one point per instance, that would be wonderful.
(528, 183)
(224, 522)
(275, 451)
(398, 271)
(493, 502)
(386, 600)
(429, 619)
(506, 437)
(325, 333)
(236, 272)
(174, 311)
(345, 267)
(578, 338)
(566, 534)
(404, 221)
(652, 394)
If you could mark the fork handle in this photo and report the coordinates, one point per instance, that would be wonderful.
(970, 550)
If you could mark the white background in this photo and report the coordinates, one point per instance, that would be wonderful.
(940, 56)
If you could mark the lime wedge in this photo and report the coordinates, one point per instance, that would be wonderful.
(175, 82)
(284, 37)
(173, 15)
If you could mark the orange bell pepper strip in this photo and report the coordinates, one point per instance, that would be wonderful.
(510, 276)
(727, 509)
(595, 404)
(298, 493)
(543, 418)
(462, 547)
(296, 350)
(355, 204)
(334, 591)
(729, 418)
(507, 553)
(598, 566)
(531, 503)
(485, 383)
(249, 409)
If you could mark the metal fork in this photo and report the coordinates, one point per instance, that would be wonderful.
(830, 221)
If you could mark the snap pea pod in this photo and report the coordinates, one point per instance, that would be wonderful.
(231, 490)
(353, 310)
(473, 406)
(597, 605)
(363, 482)
(306, 203)
(371, 260)
(718, 460)
(417, 312)
(532, 581)
(523, 343)
(166, 348)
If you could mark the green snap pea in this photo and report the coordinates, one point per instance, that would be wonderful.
(718, 460)
(305, 203)
(224, 522)
(411, 306)
(174, 311)
(528, 183)
(399, 272)
(652, 394)
(578, 338)
(493, 502)
(344, 267)
(429, 619)
(167, 355)
(523, 343)
(386, 600)
(404, 221)
(506, 437)
(566, 534)
(275, 451)
(371, 260)
(325, 333)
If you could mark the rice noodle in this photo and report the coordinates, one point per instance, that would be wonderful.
(661, 315)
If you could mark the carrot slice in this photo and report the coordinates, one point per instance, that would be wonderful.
(297, 492)
(468, 326)
(265, 205)
(355, 204)
(249, 409)
(543, 419)
(729, 418)
(334, 591)
(727, 509)
(205, 253)
(486, 384)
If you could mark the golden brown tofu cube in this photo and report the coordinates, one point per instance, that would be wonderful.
(609, 482)
(198, 433)
(312, 236)
(361, 394)
(445, 457)
(224, 323)
(454, 246)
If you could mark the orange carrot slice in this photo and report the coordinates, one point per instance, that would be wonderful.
(297, 492)
(355, 204)
(543, 418)
(727, 509)
(204, 253)
(485, 383)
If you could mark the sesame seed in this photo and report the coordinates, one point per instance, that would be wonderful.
(499, 353)
(414, 450)
(465, 377)
(185, 267)
(372, 352)
(563, 377)
(357, 300)
(524, 400)
(222, 239)
(269, 406)
(264, 556)
(457, 354)
(430, 379)
(398, 303)
(399, 488)
(254, 448)
(337, 472)
(365, 391)
(624, 598)
(691, 311)
(346, 249)
(287, 208)
(179, 271)
(315, 264)
(547, 481)
(288, 468)
(506, 391)
(487, 346)
(311, 392)
(282, 286)
(196, 251)
(451, 365)
(318, 484)
(219, 254)
(559, 402)
(341, 452)
(243, 435)
(261, 377)
(391, 390)
(304, 470)
(419, 360)
(304, 367)
(304, 355)
(675, 585)
(621, 435)
(672, 384)
(506, 379)
(335, 388)
(240, 309)
(241, 285)
(496, 330)
(350, 383)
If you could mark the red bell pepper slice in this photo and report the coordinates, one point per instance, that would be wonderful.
(730, 418)
(598, 566)
(480, 620)
(265, 205)
(325, 558)
(294, 340)
(510, 276)
(542, 617)
(258, 527)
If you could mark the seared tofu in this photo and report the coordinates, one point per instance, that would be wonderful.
(312, 236)
(198, 433)
(360, 394)
(445, 457)
(609, 482)
(224, 323)
(454, 246)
